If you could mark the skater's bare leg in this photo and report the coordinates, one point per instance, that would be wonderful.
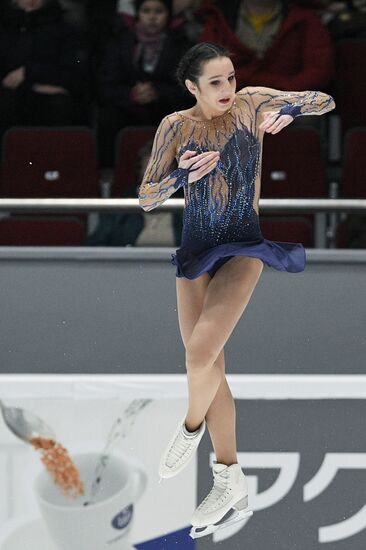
(220, 416)
(226, 297)
(221, 420)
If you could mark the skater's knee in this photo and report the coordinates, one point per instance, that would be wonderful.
(221, 367)
(198, 358)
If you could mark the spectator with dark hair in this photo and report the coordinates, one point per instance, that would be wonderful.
(136, 81)
(127, 9)
(42, 65)
(182, 14)
(104, 19)
(274, 44)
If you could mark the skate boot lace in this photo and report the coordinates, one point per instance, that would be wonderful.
(178, 450)
(218, 494)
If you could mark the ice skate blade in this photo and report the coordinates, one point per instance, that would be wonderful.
(238, 515)
(241, 504)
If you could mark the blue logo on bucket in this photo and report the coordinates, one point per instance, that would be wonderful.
(123, 518)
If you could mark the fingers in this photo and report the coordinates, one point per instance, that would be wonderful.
(199, 164)
(200, 172)
(187, 154)
(271, 124)
(269, 119)
(278, 126)
(203, 159)
(275, 124)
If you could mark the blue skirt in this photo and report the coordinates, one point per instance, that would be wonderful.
(282, 256)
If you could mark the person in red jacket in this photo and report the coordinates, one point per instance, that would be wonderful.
(276, 45)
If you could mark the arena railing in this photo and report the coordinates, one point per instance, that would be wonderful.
(325, 210)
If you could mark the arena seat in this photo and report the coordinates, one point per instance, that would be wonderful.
(43, 231)
(49, 162)
(350, 82)
(288, 229)
(128, 143)
(353, 184)
(293, 165)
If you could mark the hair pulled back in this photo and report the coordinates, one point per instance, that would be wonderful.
(190, 65)
(167, 3)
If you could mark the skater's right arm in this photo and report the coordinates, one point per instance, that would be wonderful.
(161, 180)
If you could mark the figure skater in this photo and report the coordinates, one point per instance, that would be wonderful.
(217, 145)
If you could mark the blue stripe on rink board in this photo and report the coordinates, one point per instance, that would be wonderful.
(179, 540)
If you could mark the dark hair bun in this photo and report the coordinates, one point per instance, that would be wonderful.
(190, 65)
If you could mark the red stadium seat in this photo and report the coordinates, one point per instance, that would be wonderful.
(49, 162)
(289, 229)
(293, 165)
(128, 143)
(354, 164)
(33, 231)
(350, 82)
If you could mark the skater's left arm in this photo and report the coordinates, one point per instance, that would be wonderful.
(276, 109)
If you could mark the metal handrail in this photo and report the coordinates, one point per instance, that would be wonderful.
(108, 204)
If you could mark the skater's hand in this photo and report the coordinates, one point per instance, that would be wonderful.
(143, 93)
(13, 79)
(198, 164)
(273, 123)
(48, 89)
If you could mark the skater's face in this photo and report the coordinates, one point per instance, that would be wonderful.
(153, 16)
(216, 85)
(29, 5)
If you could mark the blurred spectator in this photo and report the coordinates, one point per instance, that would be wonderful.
(101, 22)
(127, 7)
(137, 228)
(185, 17)
(104, 19)
(182, 15)
(343, 19)
(354, 231)
(75, 12)
(275, 45)
(42, 65)
(136, 81)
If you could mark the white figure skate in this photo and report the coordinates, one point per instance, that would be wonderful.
(180, 451)
(230, 491)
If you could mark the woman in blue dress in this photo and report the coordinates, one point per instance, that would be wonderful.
(214, 151)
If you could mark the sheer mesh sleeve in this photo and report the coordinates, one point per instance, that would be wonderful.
(289, 103)
(161, 178)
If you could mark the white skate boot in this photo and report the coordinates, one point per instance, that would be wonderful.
(180, 450)
(230, 490)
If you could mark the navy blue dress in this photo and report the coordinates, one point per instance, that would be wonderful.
(221, 209)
